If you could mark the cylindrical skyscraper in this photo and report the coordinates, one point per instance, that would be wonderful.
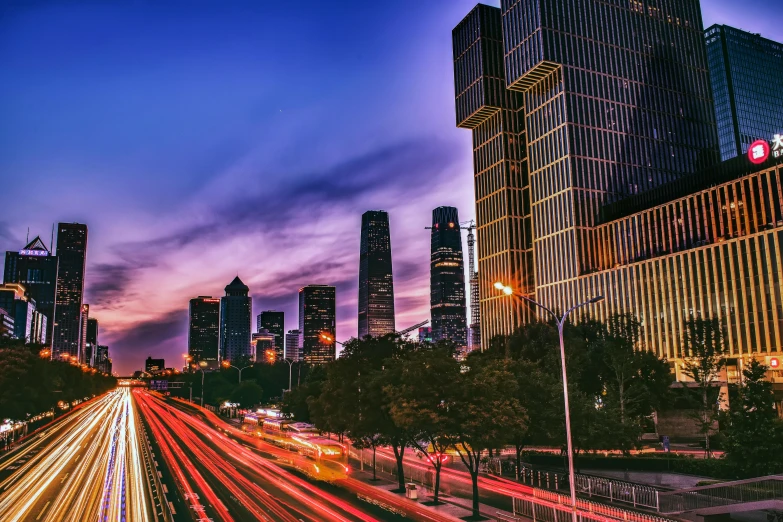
(447, 278)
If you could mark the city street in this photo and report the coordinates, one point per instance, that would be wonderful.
(88, 466)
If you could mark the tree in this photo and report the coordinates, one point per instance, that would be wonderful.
(420, 400)
(705, 348)
(485, 410)
(754, 435)
(248, 393)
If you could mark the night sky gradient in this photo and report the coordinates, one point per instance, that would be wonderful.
(201, 140)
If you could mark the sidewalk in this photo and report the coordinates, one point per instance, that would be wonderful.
(452, 507)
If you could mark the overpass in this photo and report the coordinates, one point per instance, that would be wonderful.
(718, 501)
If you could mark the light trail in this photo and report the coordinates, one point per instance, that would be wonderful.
(89, 467)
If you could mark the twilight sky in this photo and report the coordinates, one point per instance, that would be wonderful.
(201, 140)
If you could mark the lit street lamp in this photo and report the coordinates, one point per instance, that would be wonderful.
(201, 366)
(331, 339)
(290, 365)
(227, 364)
(560, 323)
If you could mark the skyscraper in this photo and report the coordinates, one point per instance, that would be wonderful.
(235, 320)
(16, 301)
(36, 268)
(204, 330)
(83, 355)
(71, 255)
(376, 283)
(92, 341)
(572, 106)
(447, 278)
(293, 351)
(274, 322)
(317, 318)
(746, 72)
(102, 360)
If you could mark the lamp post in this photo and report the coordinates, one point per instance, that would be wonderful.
(331, 339)
(560, 323)
(290, 366)
(227, 364)
(201, 366)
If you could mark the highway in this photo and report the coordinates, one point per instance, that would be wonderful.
(87, 466)
(227, 474)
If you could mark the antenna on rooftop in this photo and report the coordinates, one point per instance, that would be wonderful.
(27, 241)
(51, 245)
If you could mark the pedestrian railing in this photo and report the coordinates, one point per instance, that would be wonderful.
(760, 489)
(591, 510)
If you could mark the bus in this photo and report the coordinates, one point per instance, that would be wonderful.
(302, 428)
(275, 425)
(251, 419)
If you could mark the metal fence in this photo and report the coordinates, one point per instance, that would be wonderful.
(603, 511)
(723, 494)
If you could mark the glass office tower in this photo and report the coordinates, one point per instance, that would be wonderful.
(235, 312)
(317, 324)
(447, 278)
(204, 330)
(274, 322)
(746, 72)
(72, 256)
(376, 282)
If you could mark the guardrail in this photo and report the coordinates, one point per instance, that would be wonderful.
(723, 494)
(590, 510)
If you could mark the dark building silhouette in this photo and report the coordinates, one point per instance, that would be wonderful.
(92, 341)
(36, 268)
(746, 72)
(317, 318)
(274, 322)
(447, 278)
(102, 360)
(376, 283)
(235, 319)
(83, 356)
(572, 106)
(204, 330)
(71, 255)
(154, 365)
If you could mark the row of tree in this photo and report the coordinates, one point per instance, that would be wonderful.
(392, 392)
(31, 384)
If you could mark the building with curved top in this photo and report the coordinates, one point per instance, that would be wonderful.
(235, 322)
(448, 312)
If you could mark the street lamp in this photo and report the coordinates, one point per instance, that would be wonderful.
(290, 365)
(560, 323)
(201, 366)
(227, 364)
(331, 339)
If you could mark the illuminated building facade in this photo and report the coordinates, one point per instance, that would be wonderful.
(102, 360)
(16, 301)
(72, 256)
(746, 72)
(36, 268)
(447, 278)
(264, 346)
(6, 324)
(235, 319)
(83, 355)
(572, 107)
(292, 350)
(274, 322)
(317, 319)
(376, 282)
(92, 341)
(204, 330)
(154, 365)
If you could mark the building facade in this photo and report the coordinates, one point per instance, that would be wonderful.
(83, 355)
(447, 278)
(274, 322)
(6, 324)
(316, 320)
(425, 334)
(92, 340)
(154, 365)
(16, 301)
(376, 281)
(204, 330)
(746, 72)
(235, 320)
(292, 350)
(71, 255)
(36, 268)
(264, 347)
(572, 107)
(102, 360)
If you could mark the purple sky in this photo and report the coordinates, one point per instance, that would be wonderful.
(199, 142)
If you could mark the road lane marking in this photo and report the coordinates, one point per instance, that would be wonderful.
(65, 477)
(44, 509)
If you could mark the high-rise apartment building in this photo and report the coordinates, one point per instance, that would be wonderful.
(102, 360)
(6, 324)
(376, 283)
(71, 255)
(16, 301)
(317, 321)
(235, 320)
(35, 267)
(607, 108)
(292, 349)
(447, 278)
(204, 330)
(83, 355)
(92, 341)
(274, 322)
(264, 348)
(572, 106)
(154, 365)
(746, 72)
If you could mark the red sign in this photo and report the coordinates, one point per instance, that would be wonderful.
(774, 362)
(758, 152)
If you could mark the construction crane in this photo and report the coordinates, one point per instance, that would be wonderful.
(412, 328)
(475, 310)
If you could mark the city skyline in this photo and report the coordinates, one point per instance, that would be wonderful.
(134, 248)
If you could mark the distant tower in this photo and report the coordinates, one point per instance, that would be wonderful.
(235, 310)
(317, 318)
(292, 350)
(447, 278)
(475, 308)
(274, 322)
(72, 255)
(83, 356)
(376, 283)
(204, 330)
(92, 341)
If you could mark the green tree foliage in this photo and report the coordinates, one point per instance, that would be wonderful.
(30, 384)
(248, 393)
(754, 435)
(705, 347)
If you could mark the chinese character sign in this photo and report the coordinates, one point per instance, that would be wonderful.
(758, 152)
